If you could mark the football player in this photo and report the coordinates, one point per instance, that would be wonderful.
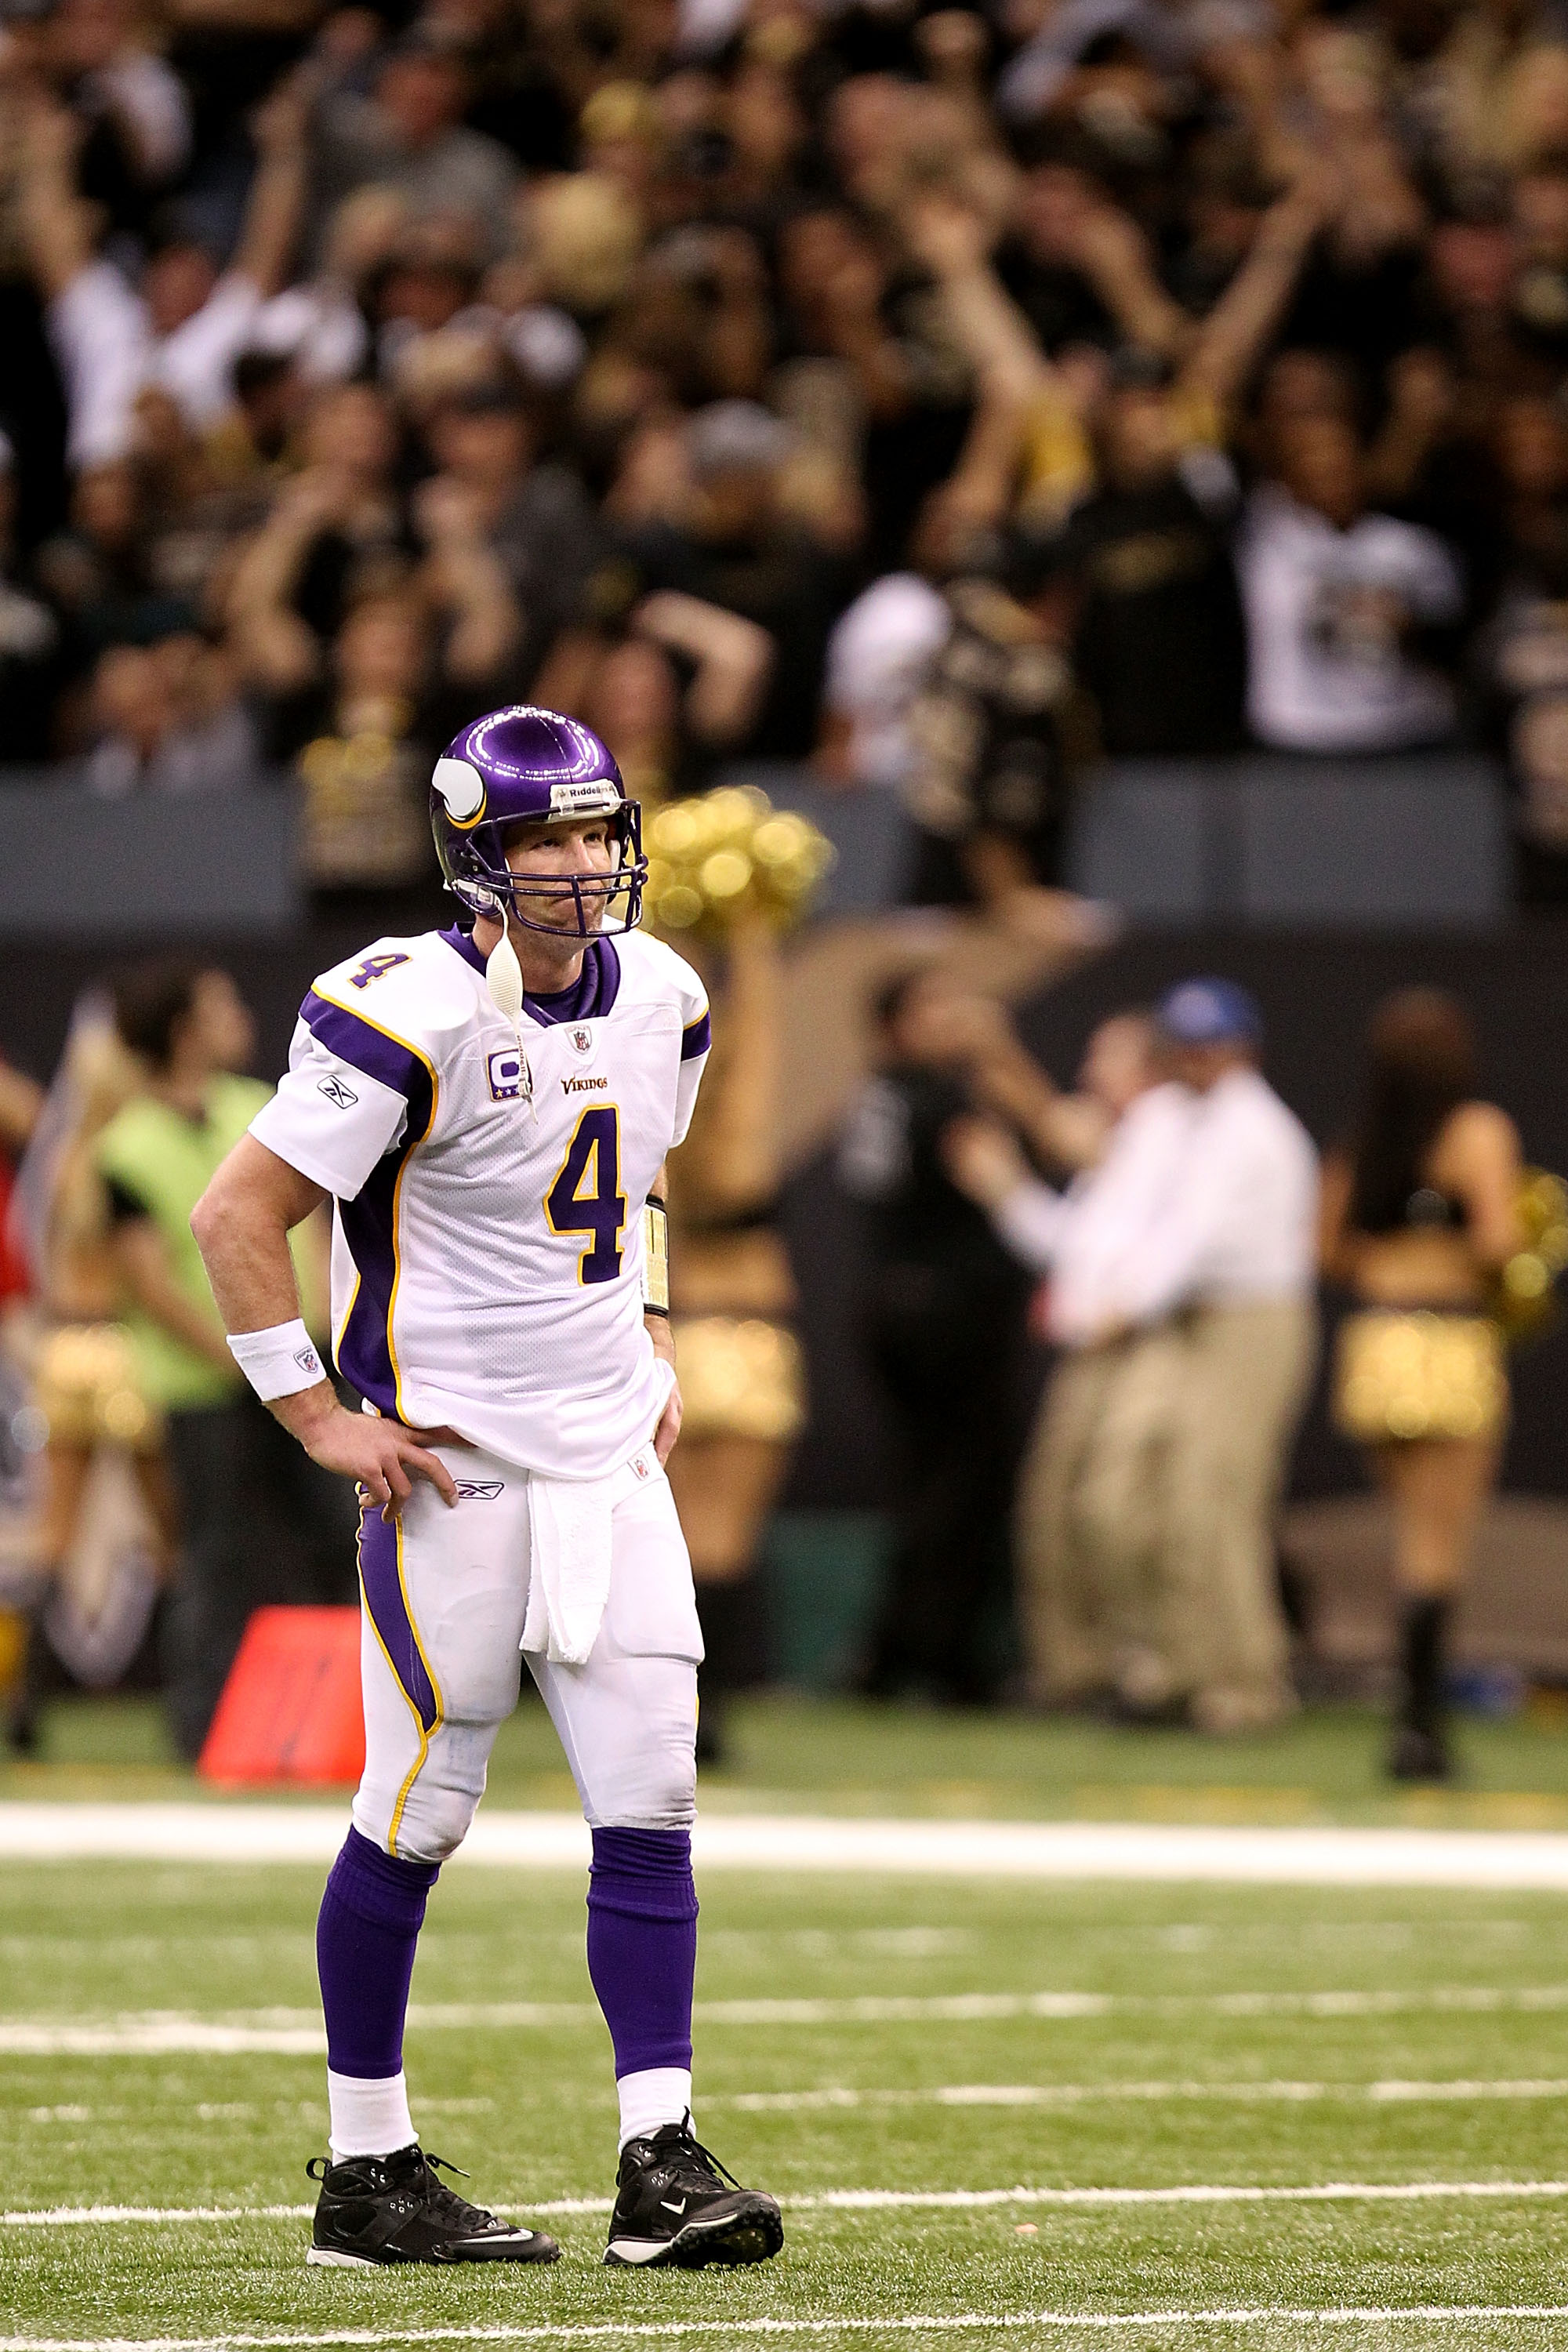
(489, 1108)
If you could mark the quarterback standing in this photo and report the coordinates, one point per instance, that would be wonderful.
(489, 1108)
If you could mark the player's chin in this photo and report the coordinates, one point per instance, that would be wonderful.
(563, 921)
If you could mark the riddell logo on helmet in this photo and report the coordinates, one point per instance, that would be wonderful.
(592, 799)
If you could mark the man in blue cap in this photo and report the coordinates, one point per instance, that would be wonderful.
(1229, 1259)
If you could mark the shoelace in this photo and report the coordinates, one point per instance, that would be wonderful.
(689, 2146)
(446, 2199)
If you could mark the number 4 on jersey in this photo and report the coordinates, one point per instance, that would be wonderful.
(587, 1196)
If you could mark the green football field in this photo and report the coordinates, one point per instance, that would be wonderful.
(1324, 2116)
(1232, 2041)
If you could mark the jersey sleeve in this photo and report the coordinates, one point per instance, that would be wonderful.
(350, 1094)
(696, 1042)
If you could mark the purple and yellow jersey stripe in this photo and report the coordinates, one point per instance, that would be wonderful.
(365, 1349)
(697, 1037)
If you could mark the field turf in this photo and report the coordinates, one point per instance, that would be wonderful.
(793, 1754)
(934, 2042)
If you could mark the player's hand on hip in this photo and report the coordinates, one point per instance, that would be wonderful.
(382, 1456)
(669, 1429)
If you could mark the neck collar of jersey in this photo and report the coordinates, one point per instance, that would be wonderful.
(589, 998)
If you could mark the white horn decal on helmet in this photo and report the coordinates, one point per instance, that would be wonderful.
(462, 788)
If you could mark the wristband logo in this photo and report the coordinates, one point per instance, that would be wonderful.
(308, 1359)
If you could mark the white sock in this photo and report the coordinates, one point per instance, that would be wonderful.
(658, 2094)
(369, 2114)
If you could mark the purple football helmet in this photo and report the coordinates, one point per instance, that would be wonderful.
(526, 765)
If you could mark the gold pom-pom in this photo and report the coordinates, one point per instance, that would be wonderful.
(1524, 1304)
(729, 853)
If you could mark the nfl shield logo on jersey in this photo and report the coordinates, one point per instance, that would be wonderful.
(584, 1040)
(506, 1075)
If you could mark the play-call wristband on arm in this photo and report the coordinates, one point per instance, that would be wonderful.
(655, 1257)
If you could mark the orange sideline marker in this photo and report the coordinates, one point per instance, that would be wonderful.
(290, 1708)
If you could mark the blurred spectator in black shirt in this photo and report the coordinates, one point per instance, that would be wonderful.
(904, 390)
(409, 134)
(995, 737)
(729, 543)
(135, 108)
(1042, 263)
(1146, 564)
(337, 529)
(98, 572)
(537, 518)
(1521, 654)
(413, 659)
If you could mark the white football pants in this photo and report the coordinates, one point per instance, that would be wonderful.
(443, 1593)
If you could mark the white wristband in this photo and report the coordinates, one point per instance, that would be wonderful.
(278, 1362)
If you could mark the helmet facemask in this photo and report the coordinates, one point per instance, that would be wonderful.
(478, 875)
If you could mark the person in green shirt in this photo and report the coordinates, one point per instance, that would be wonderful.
(259, 1521)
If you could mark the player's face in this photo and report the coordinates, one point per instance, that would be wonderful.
(545, 857)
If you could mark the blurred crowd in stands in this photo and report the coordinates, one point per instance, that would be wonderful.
(937, 399)
(936, 394)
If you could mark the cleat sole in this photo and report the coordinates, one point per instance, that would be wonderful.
(539, 2249)
(734, 2243)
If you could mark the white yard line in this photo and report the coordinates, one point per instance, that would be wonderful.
(1078, 2094)
(297, 2032)
(154, 2037)
(1334, 2192)
(970, 2323)
(247, 1832)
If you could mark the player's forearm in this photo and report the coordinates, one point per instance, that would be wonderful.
(241, 1224)
(249, 1265)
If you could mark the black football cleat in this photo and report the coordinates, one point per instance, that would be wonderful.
(672, 2208)
(376, 2210)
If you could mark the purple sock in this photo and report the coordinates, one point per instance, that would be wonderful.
(369, 1925)
(642, 1944)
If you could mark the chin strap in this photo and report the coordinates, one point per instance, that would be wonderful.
(503, 978)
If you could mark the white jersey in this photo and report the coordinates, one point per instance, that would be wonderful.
(486, 1245)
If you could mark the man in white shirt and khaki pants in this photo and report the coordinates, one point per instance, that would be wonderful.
(1091, 1518)
(1229, 1260)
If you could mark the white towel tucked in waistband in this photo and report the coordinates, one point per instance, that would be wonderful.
(569, 1523)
